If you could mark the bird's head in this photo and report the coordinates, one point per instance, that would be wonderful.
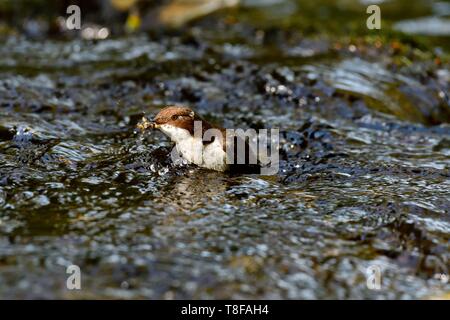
(177, 122)
(181, 117)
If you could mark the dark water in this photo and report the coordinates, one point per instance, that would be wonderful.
(364, 175)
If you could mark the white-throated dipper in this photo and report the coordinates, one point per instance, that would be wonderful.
(203, 144)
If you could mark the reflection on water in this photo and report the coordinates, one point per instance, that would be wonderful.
(394, 93)
(428, 26)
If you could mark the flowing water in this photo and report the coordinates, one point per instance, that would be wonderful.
(363, 184)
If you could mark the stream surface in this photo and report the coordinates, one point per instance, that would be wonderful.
(363, 183)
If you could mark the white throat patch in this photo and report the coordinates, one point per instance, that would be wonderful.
(211, 156)
(174, 133)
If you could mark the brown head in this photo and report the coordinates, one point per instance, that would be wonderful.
(180, 117)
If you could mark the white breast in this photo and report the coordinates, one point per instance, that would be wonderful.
(192, 149)
(214, 157)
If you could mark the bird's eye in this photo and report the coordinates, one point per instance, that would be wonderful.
(174, 117)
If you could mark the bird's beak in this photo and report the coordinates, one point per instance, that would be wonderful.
(145, 124)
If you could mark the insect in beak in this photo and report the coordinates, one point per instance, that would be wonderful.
(145, 124)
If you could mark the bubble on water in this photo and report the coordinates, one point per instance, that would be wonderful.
(163, 171)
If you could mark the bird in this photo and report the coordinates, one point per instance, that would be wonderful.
(203, 144)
